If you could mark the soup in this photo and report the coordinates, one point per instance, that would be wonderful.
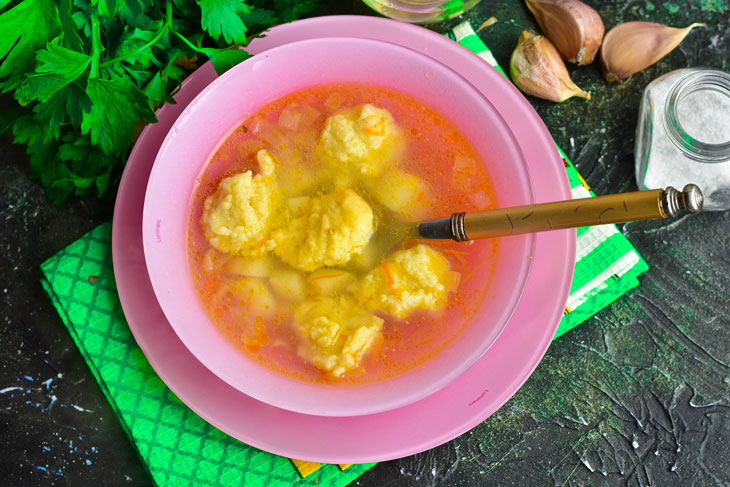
(286, 226)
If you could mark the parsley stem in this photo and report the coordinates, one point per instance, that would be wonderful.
(186, 41)
(149, 44)
(95, 45)
(179, 35)
(153, 41)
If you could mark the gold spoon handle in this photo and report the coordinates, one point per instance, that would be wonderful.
(598, 210)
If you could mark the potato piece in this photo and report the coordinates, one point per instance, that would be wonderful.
(462, 173)
(288, 284)
(400, 192)
(290, 118)
(212, 261)
(328, 282)
(254, 296)
(273, 137)
(248, 266)
(334, 101)
(309, 115)
(367, 259)
(296, 117)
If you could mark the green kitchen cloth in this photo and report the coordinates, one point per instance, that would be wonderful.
(178, 447)
(607, 265)
(181, 449)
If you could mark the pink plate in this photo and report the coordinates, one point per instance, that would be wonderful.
(401, 432)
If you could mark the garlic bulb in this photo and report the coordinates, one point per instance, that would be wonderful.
(537, 69)
(633, 46)
(575, 28)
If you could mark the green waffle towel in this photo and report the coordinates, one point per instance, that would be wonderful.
(178, 447)
(181, 449)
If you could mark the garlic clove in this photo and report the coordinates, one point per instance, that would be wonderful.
(575, 28)
(634, 46)
(537, 69)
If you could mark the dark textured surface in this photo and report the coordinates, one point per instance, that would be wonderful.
(638, 395)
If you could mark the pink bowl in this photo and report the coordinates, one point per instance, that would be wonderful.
(221, 106)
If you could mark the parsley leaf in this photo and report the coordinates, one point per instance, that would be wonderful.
(134, 12)
(74, 149)
(87, 73)
(131, 47)
(57, 67)
(26, 28)
(44, 166)
(71, 38)
(69, 103)
(260, 16)
(157, 87)
(223, 17)
(27, 130)
(107, 8)
(225, 59)
(116, 107)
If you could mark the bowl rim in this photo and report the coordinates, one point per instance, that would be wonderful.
(151, 237)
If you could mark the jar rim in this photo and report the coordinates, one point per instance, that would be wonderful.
(699, 79)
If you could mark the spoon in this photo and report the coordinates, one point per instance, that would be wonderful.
(597, 210)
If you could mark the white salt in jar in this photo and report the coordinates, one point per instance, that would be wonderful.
(683, 135)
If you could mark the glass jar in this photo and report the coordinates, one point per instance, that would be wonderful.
(683, 134)
(421, 11)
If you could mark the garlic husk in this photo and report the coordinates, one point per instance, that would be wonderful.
(575, 28)
(634, 46)
(537, 69)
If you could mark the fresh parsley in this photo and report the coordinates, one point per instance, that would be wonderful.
(87, 74)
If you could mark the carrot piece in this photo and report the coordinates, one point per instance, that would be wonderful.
(388, 275)
(263, 242)
(371, 131)
(326, 276)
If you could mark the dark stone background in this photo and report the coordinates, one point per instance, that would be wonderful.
(638, 395)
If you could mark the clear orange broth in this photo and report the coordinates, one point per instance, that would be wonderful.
(432, 145)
